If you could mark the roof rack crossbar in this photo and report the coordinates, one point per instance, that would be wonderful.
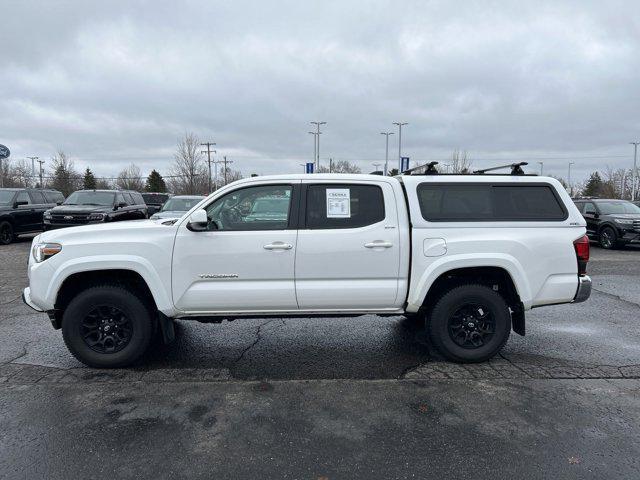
(430, 169)
(516, 168)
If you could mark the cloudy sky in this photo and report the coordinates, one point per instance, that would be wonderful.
(112, 83)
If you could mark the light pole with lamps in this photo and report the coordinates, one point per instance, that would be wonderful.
(386, 152)
(569, 179)
(318, 132)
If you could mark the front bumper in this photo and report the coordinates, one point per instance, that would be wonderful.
(26, 298)
(584, 289)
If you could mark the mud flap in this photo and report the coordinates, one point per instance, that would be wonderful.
(167, 328)
(517, 319)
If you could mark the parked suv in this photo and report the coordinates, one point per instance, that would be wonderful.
(468, 255)
(21, 210)
(96, 206)
(611, 222)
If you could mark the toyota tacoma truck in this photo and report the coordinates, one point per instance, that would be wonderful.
(467, 255)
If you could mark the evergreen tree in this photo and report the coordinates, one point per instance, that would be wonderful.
(155, 182)
(594, 186)
(89, 180)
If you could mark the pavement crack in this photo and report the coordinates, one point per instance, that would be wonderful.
(255, 342)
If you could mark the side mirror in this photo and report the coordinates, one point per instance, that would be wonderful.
(17, 204)
(119, 205)
(198, 221)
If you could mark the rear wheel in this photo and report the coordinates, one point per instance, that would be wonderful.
(107, 327)
(470, 323)
(6, 233)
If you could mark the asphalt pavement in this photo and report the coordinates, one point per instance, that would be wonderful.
(327, 398)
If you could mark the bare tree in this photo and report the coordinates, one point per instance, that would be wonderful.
(227, 175)
(130, 179)
(341, 166)
(460, 162)
(21, 174)
(189, 173)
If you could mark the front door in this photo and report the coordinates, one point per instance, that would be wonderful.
(245, 261)
(348, 247)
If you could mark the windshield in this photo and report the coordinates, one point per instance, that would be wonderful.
(6, 196)
(90, 198)
(180, 204)
(608, 208)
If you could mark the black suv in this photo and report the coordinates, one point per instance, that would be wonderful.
(21, 210)
(155, 201)
(96, 206)
(611, 222)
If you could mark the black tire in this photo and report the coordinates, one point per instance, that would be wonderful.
(6, 233)
(130, 322)
(482, 316)
(608, 238)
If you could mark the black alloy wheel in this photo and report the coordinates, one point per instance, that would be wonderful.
(471, 326)
(106, 329)
(608, 238)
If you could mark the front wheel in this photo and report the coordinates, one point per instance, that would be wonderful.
(6, 233)
(608, 238)
(107, 327)
(470, 323)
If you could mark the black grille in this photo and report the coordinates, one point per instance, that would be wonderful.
(636, 225)
(78, 218)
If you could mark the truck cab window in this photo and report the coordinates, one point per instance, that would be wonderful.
(254, 208)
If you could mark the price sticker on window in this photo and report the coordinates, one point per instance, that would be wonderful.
(338, 203)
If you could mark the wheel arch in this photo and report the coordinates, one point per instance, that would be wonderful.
(497, 278)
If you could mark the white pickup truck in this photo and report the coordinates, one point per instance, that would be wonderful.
(466, 254)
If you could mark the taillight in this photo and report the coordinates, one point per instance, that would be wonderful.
(581, 245)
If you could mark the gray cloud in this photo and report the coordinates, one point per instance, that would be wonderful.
(116, 82)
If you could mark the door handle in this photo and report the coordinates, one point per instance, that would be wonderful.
(278, 246)
(378, 244)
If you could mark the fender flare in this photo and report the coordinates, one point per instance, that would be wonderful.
(134, 263)
(445, 264)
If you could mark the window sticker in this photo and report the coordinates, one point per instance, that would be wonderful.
(338, 203)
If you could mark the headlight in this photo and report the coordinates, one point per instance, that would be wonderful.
(96, 217)
(47, 215)
(155, 216)
(42, 251)
(624, 221)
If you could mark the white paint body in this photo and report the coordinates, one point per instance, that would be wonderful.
(387, 267)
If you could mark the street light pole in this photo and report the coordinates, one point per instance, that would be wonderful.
(569, 179)
(33, 166)
(315, 145)
(386, 152)
(400, 124)
(318, 132)
(41, 162)
(541, 168)
(376, 165)
(635, 169)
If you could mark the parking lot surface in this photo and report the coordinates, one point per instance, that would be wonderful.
(330, 397)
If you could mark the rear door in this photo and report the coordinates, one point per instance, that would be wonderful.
(590, 214)
(348, 254)
(39, 204)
